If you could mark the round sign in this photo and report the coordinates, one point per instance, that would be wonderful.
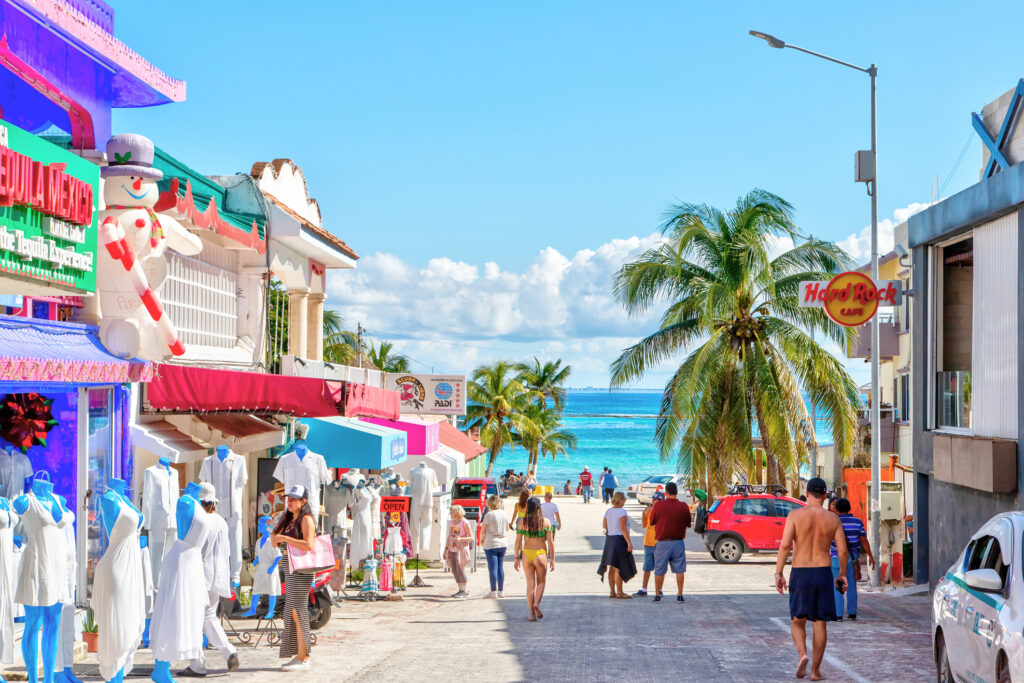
(851, 299)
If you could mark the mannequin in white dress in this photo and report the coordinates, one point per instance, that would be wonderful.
(66, 641)
(373, 488)
(361, 546)
(8, 520)
(266, 579)
(422, 482)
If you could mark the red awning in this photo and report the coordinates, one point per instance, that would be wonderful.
(453, 438)
(362, 400)
(185, 389)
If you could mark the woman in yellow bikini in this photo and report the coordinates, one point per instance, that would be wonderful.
(535, 549)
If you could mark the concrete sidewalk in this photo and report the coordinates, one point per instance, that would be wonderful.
(732, 627)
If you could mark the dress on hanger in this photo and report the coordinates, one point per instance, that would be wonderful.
(119, 596)
(43, 575)
(8, 520)
(375, 495)
(361, 546)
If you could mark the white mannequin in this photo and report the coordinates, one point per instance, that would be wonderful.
(361, 546)
(373, 488)
(422, 483)
(228, 473)
(305, 468)
(15, 470)
(159, 498)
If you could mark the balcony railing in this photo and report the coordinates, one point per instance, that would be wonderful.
(953, 401)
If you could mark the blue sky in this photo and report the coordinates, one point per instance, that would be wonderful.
(548, 138)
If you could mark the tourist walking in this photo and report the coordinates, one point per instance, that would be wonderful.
(531, 481)
(671, 518)
(617, 558)
(550, 511)
(535, 549)
(519, 509)
(586, 483)
(456, 548)
(297, 529)
(495, 523)
(856, 543)
(650, 540)
(605, 498)
(610, 484)
(807, 534)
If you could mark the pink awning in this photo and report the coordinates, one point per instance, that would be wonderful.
(458, 440)
(421, 437)
(362, 400)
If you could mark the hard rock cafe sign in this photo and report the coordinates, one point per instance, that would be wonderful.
(852, 298)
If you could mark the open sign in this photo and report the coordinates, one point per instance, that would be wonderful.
(395, 503)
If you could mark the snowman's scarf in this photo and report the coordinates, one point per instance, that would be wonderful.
(156, 232)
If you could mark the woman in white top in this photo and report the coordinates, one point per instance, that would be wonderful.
(618, 548)
(495, 524)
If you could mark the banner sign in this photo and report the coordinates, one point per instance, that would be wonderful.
(429, 394)
(850, 299)
(48, 212)
(395, 503)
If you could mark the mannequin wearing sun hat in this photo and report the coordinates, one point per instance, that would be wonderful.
(131, 265)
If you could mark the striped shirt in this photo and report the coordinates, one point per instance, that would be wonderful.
(854, 529)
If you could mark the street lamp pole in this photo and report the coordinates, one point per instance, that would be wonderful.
(874, 535)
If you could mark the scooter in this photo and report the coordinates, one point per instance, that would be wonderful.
(320, 600)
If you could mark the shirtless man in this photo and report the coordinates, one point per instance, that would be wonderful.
(809, 533)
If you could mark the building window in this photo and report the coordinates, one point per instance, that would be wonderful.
(200, 295)
(904, 312)
(903, 398)
(953, 334)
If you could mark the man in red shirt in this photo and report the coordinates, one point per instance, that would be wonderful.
(671, 519)
(586, 481)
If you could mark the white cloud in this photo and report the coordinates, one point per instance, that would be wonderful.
(858, 246)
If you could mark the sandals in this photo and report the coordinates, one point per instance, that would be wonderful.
(624, 596)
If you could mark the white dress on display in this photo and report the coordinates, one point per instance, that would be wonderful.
(66, 639)
(262, 582)
(8, 520)
(119, 596)
(375, 495)
(176, 631)
(43, 575)
(361, 545)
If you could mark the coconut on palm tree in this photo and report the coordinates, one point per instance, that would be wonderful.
(732, 312)
(549, 436)
(548, 378)
(385, 358)
(498, 401)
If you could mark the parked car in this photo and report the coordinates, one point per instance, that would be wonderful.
(466, 492)
(645, 489)
(750, 519)
(978, 607)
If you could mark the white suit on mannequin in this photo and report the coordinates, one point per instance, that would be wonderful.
(361, 546)
(229, 474)
(159, 498)
(422, 482)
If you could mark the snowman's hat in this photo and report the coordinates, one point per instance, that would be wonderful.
(130, 155)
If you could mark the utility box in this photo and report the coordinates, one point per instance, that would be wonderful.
(890, 502)
(864, 166)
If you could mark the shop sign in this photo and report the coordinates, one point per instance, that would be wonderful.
(395, 503)
(429, 394)
(850, 299)
(47, 211)
(397, 451)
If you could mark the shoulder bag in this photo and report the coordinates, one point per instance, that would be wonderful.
(321, 557)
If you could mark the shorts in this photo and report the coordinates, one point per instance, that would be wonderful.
(812, 594)
(670, 553)
(648, 558)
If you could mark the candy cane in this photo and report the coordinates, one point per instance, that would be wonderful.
(116, 242)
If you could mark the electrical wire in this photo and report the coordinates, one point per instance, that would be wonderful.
(960, 158)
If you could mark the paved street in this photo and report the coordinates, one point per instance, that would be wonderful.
(733, 627)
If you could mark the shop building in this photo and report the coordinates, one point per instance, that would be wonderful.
(966, 383)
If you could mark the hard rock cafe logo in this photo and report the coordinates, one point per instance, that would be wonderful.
(850, 299)
(411, 390)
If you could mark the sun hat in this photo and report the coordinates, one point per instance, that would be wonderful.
(297, 491)
(207, 494)
(130, 155)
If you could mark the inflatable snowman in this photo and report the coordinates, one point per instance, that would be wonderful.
(131, 262)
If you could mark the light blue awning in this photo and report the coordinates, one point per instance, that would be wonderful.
(348, 442)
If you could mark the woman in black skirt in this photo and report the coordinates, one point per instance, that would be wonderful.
(297, 529)
(618, 548)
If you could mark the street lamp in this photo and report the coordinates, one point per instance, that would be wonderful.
(866, 172)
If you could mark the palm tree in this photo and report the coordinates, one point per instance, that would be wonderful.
(498, 400)
(386, 359)
(549, 437)
(733, 310)
(547, 378)
(340, 345)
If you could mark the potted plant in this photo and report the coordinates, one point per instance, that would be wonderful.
(89, 630)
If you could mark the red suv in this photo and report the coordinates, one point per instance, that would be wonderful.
(750, 519)
(466, 492)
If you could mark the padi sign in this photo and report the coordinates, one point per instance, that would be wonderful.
(850, 299)
(47, 212)
(429, 394)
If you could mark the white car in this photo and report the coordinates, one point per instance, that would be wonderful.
(645, 489)
(978, 607)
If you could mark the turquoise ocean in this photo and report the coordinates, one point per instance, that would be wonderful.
(613, 429)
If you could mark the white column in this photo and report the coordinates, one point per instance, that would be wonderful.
(297, 324)
(315, 330)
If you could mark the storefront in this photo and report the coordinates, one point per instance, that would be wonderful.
(349, 443)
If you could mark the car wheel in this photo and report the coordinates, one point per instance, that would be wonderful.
(728, 550)
(1003, 669)
(943, 673)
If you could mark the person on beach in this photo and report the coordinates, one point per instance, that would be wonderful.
(519, 509)
(650, 541)
(809, 532)
(586, 483)
(567, 489)
(856, 543)
(550, 511)
(610, 484)
(617, 558)
(531, 481)
(495, 523)
(600, 484)
(671, 518)
(535, 550)
(456, 548)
